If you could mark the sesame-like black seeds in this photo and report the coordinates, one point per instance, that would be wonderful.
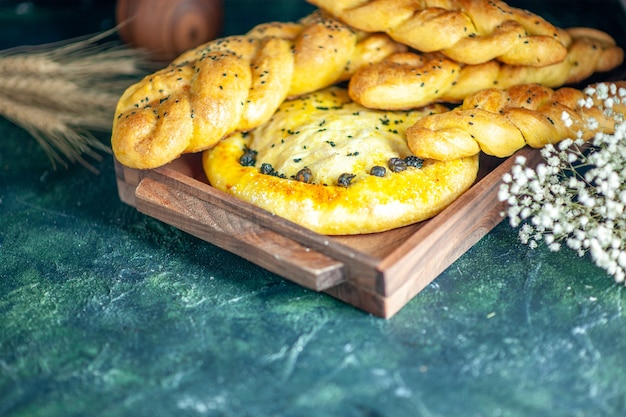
(305, 175)
(345, 180)
(378, 171)
(414, 161)
(266, 169)
(396, 164)
(248, 159)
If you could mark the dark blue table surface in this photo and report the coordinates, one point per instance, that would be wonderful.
(107, 312)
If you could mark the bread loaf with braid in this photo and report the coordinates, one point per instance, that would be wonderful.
(235, 84)
(408, 80)
(467, 31)
(498, 122)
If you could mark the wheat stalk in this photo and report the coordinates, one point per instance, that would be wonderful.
(63, 136)
(68, 95)
(60, 93)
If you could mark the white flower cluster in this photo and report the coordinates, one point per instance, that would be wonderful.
(577, 195)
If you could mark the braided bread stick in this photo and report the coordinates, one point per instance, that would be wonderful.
(235, 84)
(499, 122)
(408, 80)
(467, 31)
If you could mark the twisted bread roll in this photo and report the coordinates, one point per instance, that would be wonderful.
(467, 31)
(404, 80)
(235, 84)
(408, 80)
(499, 122)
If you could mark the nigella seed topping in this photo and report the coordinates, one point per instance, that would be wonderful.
(378, 171)
(414, 161)
(345, 179)
(397, 164)
(248, 159)
(305, 175)
(266, 169)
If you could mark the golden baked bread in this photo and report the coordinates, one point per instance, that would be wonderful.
(234, 84)
(467, 31)
(328, 164)
(407, 79)
(499, 121)
(404, 80)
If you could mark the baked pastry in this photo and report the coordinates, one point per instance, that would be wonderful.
(499, 122)
(408, 79)
(467, 31)
(337, 168)
(234, 84)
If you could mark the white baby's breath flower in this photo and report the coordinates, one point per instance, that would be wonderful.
(567, 119)
(554, 161)
(555, 246)
(542, 172)
(571, 158)
(573, 243)
(576, 198)
(602, 91)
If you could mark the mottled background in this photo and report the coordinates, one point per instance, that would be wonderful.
(106, 312)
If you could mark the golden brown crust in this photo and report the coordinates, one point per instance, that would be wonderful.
(330, 135)
(467, 31)
(499, 122)
(406, 80)
(234, 84)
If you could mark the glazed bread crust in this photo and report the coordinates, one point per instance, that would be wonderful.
(328, 135)
(408, 79)
(467, 31)
(499, 122)
(235, 84)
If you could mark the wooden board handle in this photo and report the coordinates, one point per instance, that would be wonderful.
(239, 235)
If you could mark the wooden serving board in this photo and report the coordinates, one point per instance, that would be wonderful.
(378, 272)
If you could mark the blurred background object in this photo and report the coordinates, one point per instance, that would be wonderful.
(168, 27)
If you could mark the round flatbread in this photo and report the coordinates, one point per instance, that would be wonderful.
(330, 165)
